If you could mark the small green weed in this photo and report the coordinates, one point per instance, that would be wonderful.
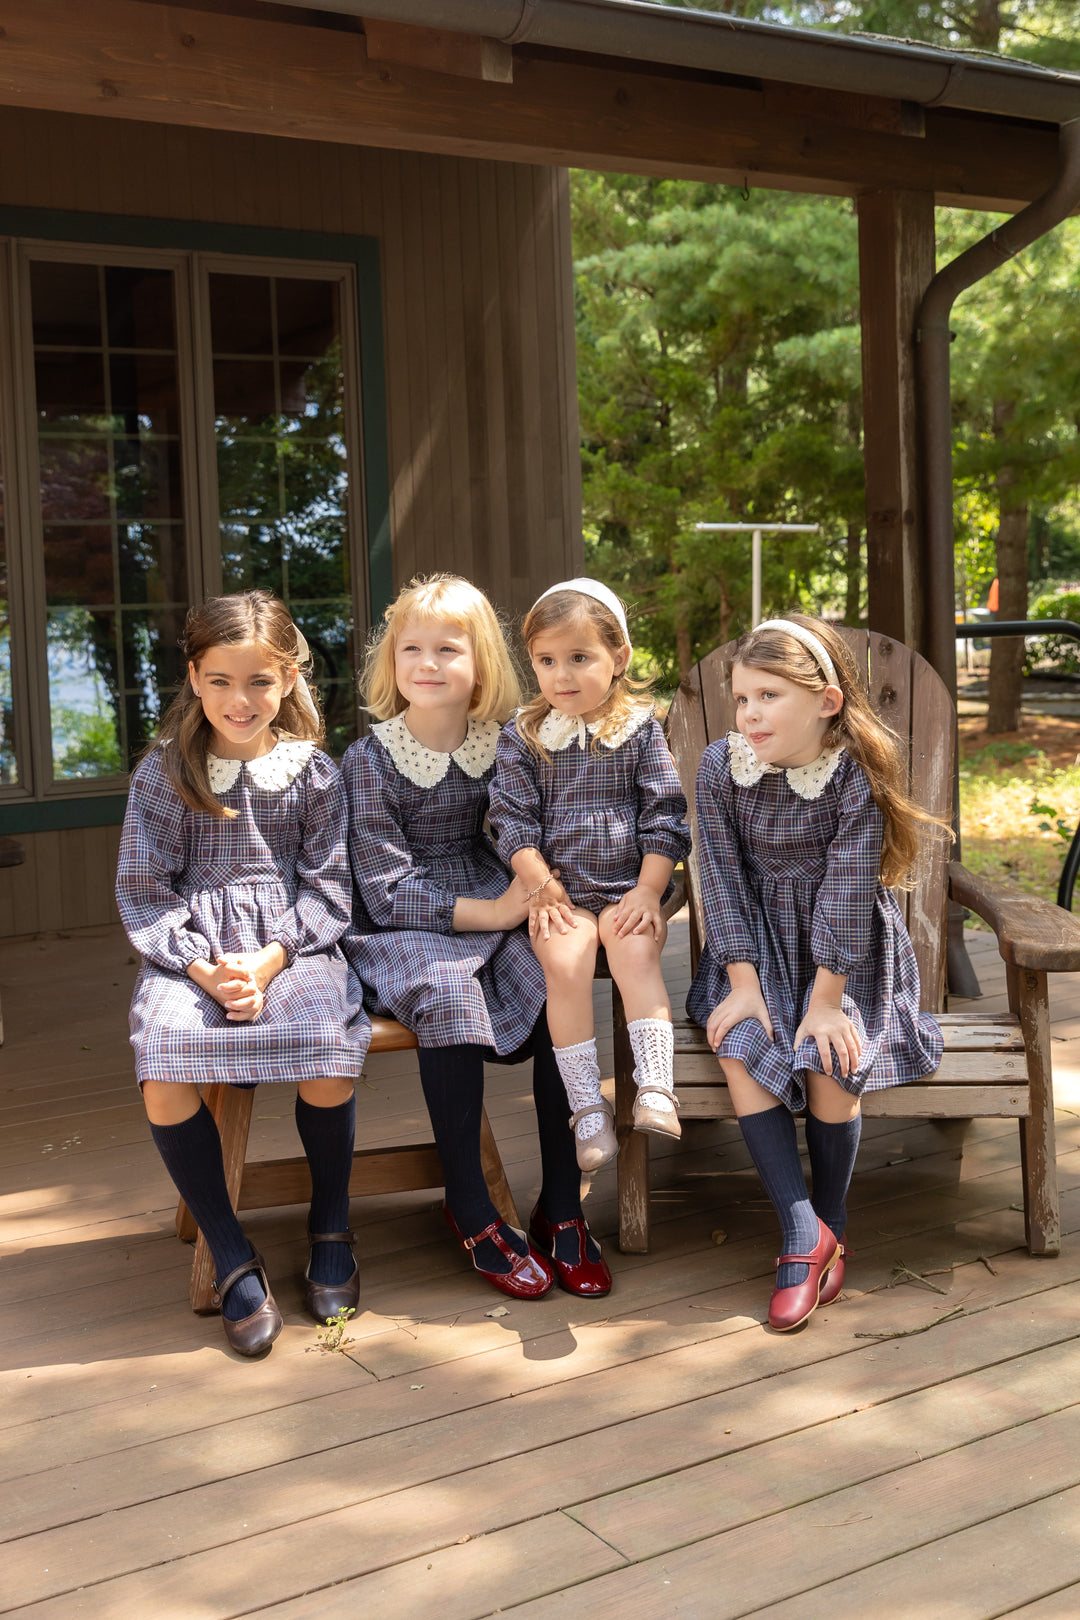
(332, 1336)
(1056, 824)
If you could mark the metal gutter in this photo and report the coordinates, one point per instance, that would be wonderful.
(653, 33)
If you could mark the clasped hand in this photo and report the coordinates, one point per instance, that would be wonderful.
(237, 980)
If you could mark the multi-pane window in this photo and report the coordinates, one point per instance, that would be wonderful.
(190, 429)
(114, 541)
(282, 464)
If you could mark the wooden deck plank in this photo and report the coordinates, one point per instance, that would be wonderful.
(390, 1520)
(883, 1518)
(972, 1573)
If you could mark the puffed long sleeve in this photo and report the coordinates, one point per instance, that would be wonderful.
(725, 897)
(516, 803)
(153, 852)
(661, 820)
(323, 905)
(845, 905)
(393, 892)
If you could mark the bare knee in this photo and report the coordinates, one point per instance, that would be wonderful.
(746, 1095)
(328, 1093)
(170, 1102)
(828, 1100)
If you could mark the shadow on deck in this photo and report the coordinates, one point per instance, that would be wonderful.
(659, 1446)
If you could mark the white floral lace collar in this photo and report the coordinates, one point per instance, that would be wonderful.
(426, 766)
(808, 781)
(272, 772)
(557, 731)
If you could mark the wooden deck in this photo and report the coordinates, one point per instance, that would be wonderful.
(656, 1454)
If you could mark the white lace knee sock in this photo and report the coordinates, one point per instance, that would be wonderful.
(653, 1043)
(581, 1076)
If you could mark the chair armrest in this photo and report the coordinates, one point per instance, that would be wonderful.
(1031, 932)
(678, 898)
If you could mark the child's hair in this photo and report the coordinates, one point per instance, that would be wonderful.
(185, 734)
(562, 610)
(857, 728)
(452, 600)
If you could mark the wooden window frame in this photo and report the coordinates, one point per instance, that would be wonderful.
(193, 250)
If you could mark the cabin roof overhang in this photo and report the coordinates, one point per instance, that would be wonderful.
(605, 84)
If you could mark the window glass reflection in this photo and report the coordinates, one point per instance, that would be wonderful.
(109, 453)
(282, 467)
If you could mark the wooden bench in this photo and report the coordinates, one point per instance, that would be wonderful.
(992, 1067)
(270, 1183)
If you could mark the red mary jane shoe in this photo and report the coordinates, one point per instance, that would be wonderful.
(834, 1281)
(790, 1307)
(530, 1276)
(590, 1279)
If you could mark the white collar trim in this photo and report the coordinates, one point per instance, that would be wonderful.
(272, 772)
(808, 781)
(426, 767)
(557, 731)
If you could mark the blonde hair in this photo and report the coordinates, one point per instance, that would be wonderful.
(561, 611)
(869, 741)
(185, 734)
(451, 600)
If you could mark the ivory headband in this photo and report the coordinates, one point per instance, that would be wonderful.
(812, 643)
(303, 651)
(598, 592)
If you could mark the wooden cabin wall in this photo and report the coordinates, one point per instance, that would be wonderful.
(479, 355)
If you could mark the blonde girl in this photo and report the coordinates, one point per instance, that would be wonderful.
(233, 886)
(589, 812)
(807, 984)
(437, 937)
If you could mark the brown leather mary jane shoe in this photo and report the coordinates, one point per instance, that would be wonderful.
(323, 1300)
(253, 1335)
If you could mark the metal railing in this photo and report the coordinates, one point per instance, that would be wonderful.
(1037, 627)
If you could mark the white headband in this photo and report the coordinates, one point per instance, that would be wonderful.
(599, 593)
(808, 639)
(303, 651)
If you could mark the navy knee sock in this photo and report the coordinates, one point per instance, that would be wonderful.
(774, 1148)
(832, 1159)
(453, 1082)
(327, 1135)
(191, 1152)
(560, 1190)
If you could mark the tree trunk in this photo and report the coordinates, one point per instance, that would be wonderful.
(853, 564)
(1007, 654)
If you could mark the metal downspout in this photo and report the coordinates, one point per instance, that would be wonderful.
(934, 404)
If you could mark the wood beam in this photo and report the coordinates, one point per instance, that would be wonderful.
(896, 264)
(440, 50)
(172, 64)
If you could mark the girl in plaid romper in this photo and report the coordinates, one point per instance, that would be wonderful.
(807, 984)
(436, 935)
(589, 811)
(233, 884)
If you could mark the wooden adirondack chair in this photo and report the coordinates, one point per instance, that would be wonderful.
(269, 1183)
(993, 1067)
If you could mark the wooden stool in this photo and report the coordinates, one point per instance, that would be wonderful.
(272, 1182)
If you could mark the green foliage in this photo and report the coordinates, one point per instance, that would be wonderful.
(1056, 824)
(332, 1336)
(1061, 651)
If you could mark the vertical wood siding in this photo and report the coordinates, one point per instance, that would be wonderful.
(478, 323)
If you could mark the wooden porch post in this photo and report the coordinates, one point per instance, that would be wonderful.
(896, 264)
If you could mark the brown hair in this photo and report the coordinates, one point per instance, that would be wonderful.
(185, 734)
(869, 741)
(453, 600)
(560, 611)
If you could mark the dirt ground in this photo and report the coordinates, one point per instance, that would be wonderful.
(1057, 738)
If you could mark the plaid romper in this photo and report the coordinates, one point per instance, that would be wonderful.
(593, 812)
(789, 879)
(191, 887)
(417, 842)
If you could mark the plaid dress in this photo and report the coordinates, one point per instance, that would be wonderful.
(593, 811)
(417, 842)
(790, 883)
(191, 886)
